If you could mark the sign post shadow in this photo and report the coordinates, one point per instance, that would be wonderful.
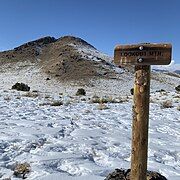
(142, 56)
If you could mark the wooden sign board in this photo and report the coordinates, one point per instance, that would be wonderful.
(143, 54)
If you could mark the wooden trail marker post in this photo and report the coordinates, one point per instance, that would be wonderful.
(142, 56)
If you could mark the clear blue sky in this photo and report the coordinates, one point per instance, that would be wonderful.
(103, 23)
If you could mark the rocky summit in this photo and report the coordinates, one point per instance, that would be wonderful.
(39, 42)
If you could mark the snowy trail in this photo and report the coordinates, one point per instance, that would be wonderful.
(79, 140)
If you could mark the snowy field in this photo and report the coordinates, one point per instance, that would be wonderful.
(80, 139)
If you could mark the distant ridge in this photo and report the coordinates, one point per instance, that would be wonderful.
(177, 71)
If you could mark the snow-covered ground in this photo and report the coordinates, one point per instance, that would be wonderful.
(80, 139)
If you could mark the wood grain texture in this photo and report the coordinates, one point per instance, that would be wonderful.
(140, 123)
(150, 54)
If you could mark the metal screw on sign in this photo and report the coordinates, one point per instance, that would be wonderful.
(140, 60)
(141, 47)
(142, 56)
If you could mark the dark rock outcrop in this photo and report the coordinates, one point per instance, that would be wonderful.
(39, 42)
(75, 41)
(122, 174)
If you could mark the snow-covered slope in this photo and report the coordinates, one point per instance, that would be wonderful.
(70, 62)
(80, 139)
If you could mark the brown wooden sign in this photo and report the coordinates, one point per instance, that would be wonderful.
(143, 54)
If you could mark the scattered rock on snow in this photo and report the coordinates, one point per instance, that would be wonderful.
(118, 174)
(132, 91)
(57, 103)
(161, 90)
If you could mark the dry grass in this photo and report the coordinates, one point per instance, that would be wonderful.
(7, 98)
(52, 103)
(108, 99)
(22, 169)
(31, 94)
(81, 92)
(178, 108)
(102, 106)
(167, 104)
(152, 100)
(101, 100)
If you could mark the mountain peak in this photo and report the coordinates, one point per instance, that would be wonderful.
(39, 42)
(74, 41)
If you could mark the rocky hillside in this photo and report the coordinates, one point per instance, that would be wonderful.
(71, 60)
(68, 58)
(27, 51)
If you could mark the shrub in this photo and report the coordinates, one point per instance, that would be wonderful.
(22, 169)
(106, 99)
(31, 94)
(96, 99)
(21, 87)
(81, 92)
(177, 88)
(102, 106)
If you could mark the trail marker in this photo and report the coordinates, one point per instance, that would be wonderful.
(142, 56)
